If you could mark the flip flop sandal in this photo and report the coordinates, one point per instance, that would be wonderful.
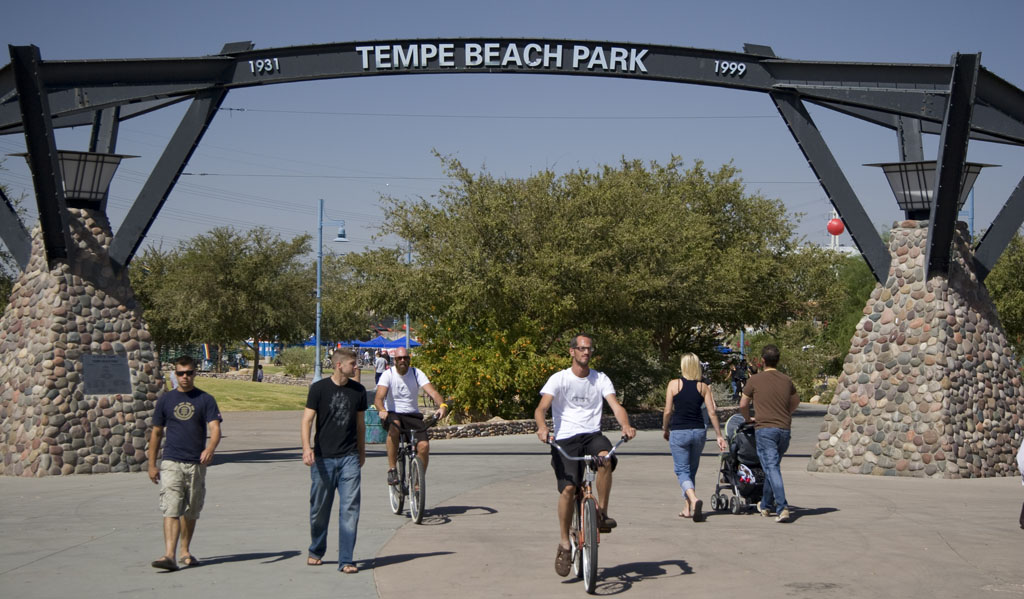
(189, 561)
(165, 563)
(314, 561)
(349, 569)
(697, 515)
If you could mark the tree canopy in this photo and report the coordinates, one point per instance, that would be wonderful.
(227, 286)
(653, 259)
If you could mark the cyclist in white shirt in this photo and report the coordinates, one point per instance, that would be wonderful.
(575, 396)
(398, 407)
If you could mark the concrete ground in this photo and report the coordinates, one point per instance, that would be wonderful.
(490, 529)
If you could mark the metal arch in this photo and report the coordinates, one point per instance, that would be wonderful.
(887, 94)
(950, 165)
(913, 90)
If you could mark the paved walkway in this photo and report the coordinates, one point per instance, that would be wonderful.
(490, 530)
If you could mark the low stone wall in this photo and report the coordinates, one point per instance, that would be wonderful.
(278, 379)
(494, 428)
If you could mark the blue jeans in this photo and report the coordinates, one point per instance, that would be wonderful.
(686, 445)
(329, 474)
(772, 443)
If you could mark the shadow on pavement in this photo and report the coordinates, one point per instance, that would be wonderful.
(619, 579)
(796, 512)
(390, 560)
(443, 513)
(257, 456)
(270, 557)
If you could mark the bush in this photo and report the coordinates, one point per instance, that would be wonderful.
(297, 361)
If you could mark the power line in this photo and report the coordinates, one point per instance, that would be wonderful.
(502, 116)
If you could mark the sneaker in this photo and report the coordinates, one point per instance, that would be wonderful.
(563, 561)
(392, 477)
(765, 512)
(783, 515)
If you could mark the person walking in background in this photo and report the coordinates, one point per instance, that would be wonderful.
(185, 413)
(775, 399)
(1020, 466)
(338, 452)
(683, 427)
(380, 364)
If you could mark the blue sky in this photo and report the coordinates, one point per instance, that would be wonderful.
(349, 141)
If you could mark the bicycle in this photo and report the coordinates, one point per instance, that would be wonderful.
(584, 535)
(412, 478)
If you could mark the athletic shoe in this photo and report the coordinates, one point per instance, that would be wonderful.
(783, 515)
(392, 477)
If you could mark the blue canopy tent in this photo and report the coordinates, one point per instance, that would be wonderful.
(400, 342)
(377, 341)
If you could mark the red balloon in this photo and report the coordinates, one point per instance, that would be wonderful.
(835, 226)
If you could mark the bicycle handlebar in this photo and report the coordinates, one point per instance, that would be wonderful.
(551, 442)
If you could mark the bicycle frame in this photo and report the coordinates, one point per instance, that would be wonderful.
(412, 482)
(584, 534)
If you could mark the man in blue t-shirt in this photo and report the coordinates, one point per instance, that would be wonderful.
(185, 414)
(336, 404)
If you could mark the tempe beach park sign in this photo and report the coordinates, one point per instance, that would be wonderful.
(532, 55)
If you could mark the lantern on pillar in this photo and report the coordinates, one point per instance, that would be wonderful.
(835, 226)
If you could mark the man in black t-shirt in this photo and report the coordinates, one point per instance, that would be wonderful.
(336, 404)
(185, 413)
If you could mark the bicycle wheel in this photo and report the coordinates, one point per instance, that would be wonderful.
(589, 544)
(417, 489)
(395, 492)
(574, 539)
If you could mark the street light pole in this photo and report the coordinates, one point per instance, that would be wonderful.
(408, 260)
(317, 369)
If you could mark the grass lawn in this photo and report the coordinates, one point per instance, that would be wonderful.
(239, 396)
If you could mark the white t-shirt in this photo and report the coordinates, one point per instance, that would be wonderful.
(1020, 461)
(403, 391)
(576, 408)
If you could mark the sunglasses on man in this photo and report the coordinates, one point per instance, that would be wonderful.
(185, 372)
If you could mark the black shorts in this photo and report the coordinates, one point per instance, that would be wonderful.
(409, 422)
(570, 472)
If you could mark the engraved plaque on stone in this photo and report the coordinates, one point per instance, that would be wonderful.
(106, 374)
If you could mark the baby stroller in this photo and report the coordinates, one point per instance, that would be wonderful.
(740, 471)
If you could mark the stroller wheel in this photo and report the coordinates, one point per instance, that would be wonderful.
(735, 505)
(714, 502)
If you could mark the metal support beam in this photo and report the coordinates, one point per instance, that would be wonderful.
(834, 182)
(105, 124)
(42, 153)
(909, 132)
(103, 138)
(999, 235)
(165, 174)
(13, 232)
(956, 132)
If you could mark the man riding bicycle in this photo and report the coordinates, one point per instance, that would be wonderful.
(574, 395)
(398, 407)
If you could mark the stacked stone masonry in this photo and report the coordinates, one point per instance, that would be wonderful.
(930, 387)
(48, 426)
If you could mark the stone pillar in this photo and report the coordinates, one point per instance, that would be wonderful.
(47, 424)
(930, 387)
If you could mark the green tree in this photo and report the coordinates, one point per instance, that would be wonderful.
(1006, 286)
(227, 286)
(652, 259)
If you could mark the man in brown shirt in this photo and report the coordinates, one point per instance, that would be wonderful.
(776, 400)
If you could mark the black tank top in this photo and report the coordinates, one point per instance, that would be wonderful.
(686, 405)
